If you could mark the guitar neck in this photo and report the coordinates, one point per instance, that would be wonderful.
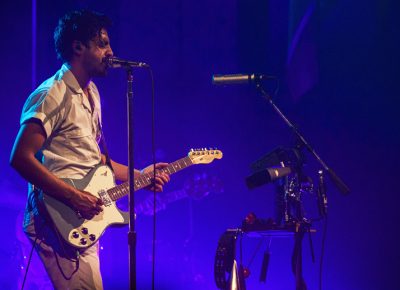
(144, 180)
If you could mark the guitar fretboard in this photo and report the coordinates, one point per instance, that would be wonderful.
(144, 180)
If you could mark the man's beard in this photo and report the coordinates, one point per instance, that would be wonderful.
(100, 71)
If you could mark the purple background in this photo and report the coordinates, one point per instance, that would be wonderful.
(340, 87)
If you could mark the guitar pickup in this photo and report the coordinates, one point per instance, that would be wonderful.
(105, 198)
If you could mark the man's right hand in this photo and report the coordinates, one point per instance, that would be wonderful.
(86, 204)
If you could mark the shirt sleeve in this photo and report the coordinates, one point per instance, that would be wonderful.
(44, 107)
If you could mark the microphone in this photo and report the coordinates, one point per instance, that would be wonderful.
(239, 79)
(115, 62)
(266, 176)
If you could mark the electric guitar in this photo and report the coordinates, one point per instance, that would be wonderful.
(100, 181)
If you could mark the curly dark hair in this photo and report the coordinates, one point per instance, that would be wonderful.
(82, 25)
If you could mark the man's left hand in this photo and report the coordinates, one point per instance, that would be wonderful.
(161, 178)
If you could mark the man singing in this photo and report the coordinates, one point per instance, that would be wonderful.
(58, 138)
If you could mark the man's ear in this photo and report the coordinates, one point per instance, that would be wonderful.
(77, 47)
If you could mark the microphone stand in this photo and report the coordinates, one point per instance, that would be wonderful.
(131, 233)
(337, 181)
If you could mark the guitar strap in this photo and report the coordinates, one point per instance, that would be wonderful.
(104, 145)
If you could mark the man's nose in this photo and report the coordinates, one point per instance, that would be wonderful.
(109, 53)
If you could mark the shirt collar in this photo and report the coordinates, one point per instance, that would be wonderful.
(68, 77)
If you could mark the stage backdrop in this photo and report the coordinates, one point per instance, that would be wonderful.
(338, 63)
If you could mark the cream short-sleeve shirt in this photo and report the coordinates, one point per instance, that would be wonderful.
(72, 128)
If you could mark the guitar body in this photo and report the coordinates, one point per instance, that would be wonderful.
(77, 231)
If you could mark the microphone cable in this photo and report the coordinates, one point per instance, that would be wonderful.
(153, 149)
(324, 233)
(29, 263)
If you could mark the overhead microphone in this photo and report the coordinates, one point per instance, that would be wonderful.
(232, 79)
(115, 62)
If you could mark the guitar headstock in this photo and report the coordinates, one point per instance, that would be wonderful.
(204, 156)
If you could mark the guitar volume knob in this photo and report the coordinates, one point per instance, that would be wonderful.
(84, 231)
(75, 234)
(92, 237)
(83, 241)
